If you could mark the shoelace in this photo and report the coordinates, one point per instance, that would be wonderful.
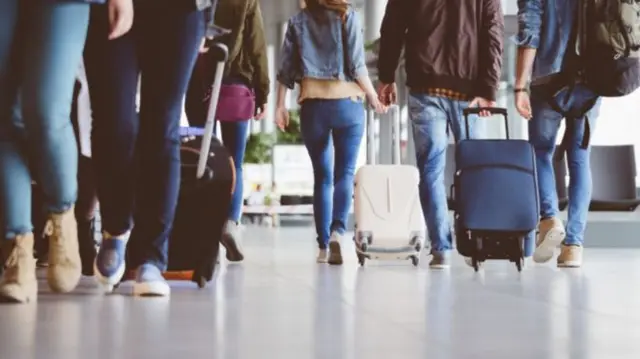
(53, 229)
(12, 259)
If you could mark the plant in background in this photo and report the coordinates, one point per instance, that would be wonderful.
(291, 135)
(259, 146)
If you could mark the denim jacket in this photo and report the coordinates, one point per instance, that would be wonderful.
(314, 48)
(546, 25)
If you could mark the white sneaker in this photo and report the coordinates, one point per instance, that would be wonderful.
(323, 255)
(150, 282)
(550, 236)
(230, 239)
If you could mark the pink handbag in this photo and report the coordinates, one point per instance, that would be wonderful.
(237, 103)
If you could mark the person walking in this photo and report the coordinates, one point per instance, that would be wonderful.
(41, 46)
(453, 56)
(247, 66)
(323, 51)
(542, 98)
(137, 155)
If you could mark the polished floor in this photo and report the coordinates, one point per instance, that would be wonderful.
(279, 304)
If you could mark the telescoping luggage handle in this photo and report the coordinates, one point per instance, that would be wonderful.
(394, 112)
(221, 53)
(476, 111)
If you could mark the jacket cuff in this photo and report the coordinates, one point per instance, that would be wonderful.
(526, 38)
(286, 81)
(386, 77)
(261, 98)
(486, 92)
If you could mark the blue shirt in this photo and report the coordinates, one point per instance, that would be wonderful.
(313, 48)
(546, 25)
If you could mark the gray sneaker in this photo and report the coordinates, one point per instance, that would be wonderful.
(230, 242)
(440, 260)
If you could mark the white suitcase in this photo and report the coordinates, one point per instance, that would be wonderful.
(388, 215)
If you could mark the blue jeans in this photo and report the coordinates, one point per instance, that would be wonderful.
(543, 133)
(431, 119)
(234, 136)
(137, 158)
(40, 52)
(332, 131)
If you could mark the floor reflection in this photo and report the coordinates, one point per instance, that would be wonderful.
(280, 304)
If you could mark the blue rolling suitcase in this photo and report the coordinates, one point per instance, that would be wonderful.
(496, 196)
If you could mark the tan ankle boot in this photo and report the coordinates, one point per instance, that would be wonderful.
(19, 283)
(65, 267)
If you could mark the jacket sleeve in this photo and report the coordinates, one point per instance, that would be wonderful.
(392, 38)
(257, 51)
(288, 67)
(529, 23)
(355, 46)
(490, 49)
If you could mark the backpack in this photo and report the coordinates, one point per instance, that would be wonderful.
(604, 58)
(608, 46)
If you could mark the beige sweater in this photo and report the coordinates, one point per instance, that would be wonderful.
(328, 90)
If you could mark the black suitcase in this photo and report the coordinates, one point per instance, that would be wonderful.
(207, 184)
(496, 196)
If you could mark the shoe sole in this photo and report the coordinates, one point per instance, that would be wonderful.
(151, 289)
(8, 299)
(570, 264)
(109, 282)
(21, 297)
(439, 266)
(335, 254)
(233, 252)
(545, 251)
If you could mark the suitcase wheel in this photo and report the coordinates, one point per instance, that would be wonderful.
(475, 263)
(415, 260)
(362, 259)
(202, 282)
(417, 243)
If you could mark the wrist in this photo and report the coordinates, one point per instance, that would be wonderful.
(521, 83)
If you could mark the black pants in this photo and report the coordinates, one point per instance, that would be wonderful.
(137, 157)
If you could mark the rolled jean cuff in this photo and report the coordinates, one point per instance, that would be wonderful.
(62, 208)
(572, 242)
(13, 233)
